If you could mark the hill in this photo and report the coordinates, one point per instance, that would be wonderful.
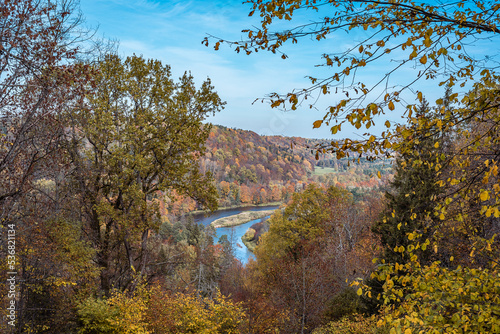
(250, 169)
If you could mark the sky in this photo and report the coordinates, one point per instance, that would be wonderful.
(172, 31)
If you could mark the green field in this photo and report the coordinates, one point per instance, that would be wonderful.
(323, 171)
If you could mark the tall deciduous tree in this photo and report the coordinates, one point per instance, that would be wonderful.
(138, 133)
(302, 262)
(38, 41)
(39, 78)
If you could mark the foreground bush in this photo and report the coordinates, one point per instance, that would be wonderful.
(155, 311)
(117, 314)
(189, 313)
(354, 324)
(440, 300)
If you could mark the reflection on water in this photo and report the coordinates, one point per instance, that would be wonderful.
(234, 233)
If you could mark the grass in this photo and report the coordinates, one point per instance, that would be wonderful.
(240, 218)
(323, 171)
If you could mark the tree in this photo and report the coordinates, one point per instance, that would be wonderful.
(40, 77)
(463, 238)
(38, 45)
(410, 202)
(188, 313)
(434, 299)
(137, 134)
(428, 36)
(436, 39)
(302, 262)
(117, 314)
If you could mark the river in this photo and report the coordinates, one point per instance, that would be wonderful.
(235, 232)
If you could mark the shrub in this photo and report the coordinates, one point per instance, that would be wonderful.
(118, 314)
(347, 302)
(353, 324)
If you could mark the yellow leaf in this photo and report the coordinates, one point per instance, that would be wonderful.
(387, 124)
(360, 292)
(423, 60)
(408, 331)
(317, 124)
(420, 97)
(379, 175)
(488, 247)
(391, 105)
(427, 42)
(484, 196)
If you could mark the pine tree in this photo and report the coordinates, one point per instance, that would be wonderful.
(412, 194)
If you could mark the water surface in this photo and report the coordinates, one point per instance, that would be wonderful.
(234, 233)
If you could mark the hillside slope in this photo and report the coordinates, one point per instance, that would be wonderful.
(252, 169)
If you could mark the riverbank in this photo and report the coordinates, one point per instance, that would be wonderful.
(241, 218)
(233, 207)
(248, 240)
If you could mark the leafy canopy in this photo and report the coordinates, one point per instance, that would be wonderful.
(431, 37)
(434, 38)
(138, 134)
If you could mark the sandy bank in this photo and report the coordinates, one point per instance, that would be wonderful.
(240, 218)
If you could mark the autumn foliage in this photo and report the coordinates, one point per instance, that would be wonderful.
(102, 157)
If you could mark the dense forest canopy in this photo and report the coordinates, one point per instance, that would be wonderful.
(102, 157)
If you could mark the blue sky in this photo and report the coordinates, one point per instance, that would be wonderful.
(172, 31)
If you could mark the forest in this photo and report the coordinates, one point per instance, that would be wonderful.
(103, 157)
(249, 169)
